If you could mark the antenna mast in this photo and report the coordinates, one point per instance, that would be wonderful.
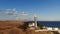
(15, 13)
(24, 15)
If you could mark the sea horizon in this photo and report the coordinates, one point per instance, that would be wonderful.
(48, 23)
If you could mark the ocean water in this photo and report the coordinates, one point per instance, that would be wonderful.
(50, 23)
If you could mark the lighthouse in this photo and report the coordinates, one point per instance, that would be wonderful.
(35, 21)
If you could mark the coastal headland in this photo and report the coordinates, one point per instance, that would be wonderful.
(11, 27)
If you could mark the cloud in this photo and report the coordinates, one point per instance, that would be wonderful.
(49, 19)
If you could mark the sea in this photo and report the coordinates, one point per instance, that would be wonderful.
(49, 23)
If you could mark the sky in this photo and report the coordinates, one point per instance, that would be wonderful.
(46, 10)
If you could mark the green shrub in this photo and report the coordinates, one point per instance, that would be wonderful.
(40, 26)
(24, 26)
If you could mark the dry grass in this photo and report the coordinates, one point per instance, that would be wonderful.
(10, 27)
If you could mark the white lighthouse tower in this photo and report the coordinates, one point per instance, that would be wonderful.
(35, 21)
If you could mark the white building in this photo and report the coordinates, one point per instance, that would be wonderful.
(49, 28)
(31, 24)
(56, 29)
